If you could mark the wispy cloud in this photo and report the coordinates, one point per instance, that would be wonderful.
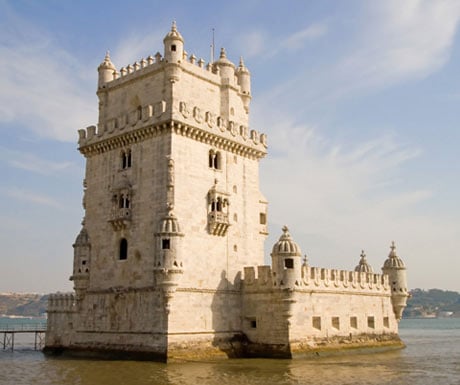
(340, 198)
(40, 83)
(259, 42)
(32, 197)
(135, 47)
(299, 38)
(30, 162)
(403, 40)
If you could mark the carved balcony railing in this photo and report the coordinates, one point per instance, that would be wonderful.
(218, 223)
(120, 218)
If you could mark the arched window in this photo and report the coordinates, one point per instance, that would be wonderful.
(211, 158)
(125, 159)
(128, 158)
(123, 250)
(215, 160)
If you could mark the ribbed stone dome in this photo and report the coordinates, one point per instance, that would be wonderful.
(393, 260)
(363, 266)
(174, 34)
(286, 245)
(82, 238)
(223, 59)
(169, 224)
(107, 63)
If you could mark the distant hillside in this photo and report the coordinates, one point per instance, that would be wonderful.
(423, 303)
(433, 302)
(26, 305)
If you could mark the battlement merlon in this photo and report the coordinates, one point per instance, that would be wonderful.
(196, 123)
(319, 279)
(221, 83)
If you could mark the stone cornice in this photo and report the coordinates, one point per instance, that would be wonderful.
(179, 128)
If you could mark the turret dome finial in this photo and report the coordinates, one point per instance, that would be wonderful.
(363, 266)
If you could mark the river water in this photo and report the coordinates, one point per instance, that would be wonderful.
(432, 356)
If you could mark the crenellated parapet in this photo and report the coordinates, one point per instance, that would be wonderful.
(209, 102)
(61, 303)
(261, 279)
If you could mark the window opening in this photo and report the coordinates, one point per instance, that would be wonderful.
(123, 252)
(126, 159)
(215, 160)
(336, 323)
(386, 322)
(289, 263)
(263, 219)
(173, 48)
(371, 322)
(165, 244)
(354, 322)
(316, 322)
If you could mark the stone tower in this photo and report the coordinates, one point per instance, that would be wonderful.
(169, 261)
(172, 204)
(396, 271)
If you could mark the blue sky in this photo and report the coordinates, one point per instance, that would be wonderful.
(359, 99)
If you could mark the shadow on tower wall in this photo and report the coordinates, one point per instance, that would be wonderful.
(226, 317)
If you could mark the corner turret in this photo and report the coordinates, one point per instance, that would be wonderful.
(226, 68)
(394, 267)
(286, 262)
(106, 71)
(81, 264)
(244, 81)
(173, 45)
(168, 258)
(363, 266)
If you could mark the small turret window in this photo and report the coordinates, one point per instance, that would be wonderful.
(289, 263)
(165, 244)
(173, 48)
(123, 249)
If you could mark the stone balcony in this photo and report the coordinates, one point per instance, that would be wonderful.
(218, 223)
(120, 218)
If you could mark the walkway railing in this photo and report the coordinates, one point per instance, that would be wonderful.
(10, 330)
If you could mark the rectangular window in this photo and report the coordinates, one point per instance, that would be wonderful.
(354, 322)
(252, 322)
(165, 244)
(263, 218)
(386, 322)
(371, 322)
(289, 263)
(336, 323)
(316, 323)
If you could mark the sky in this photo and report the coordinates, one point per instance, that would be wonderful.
(359, 99)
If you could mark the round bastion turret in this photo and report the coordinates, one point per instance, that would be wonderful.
(173, 45)
(106, 71)
(396, 270)
(286, 261)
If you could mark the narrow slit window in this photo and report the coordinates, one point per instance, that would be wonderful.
(123, 252)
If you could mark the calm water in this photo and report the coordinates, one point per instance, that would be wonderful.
(432, 357)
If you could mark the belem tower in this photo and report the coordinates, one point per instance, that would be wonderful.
(169, 263)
